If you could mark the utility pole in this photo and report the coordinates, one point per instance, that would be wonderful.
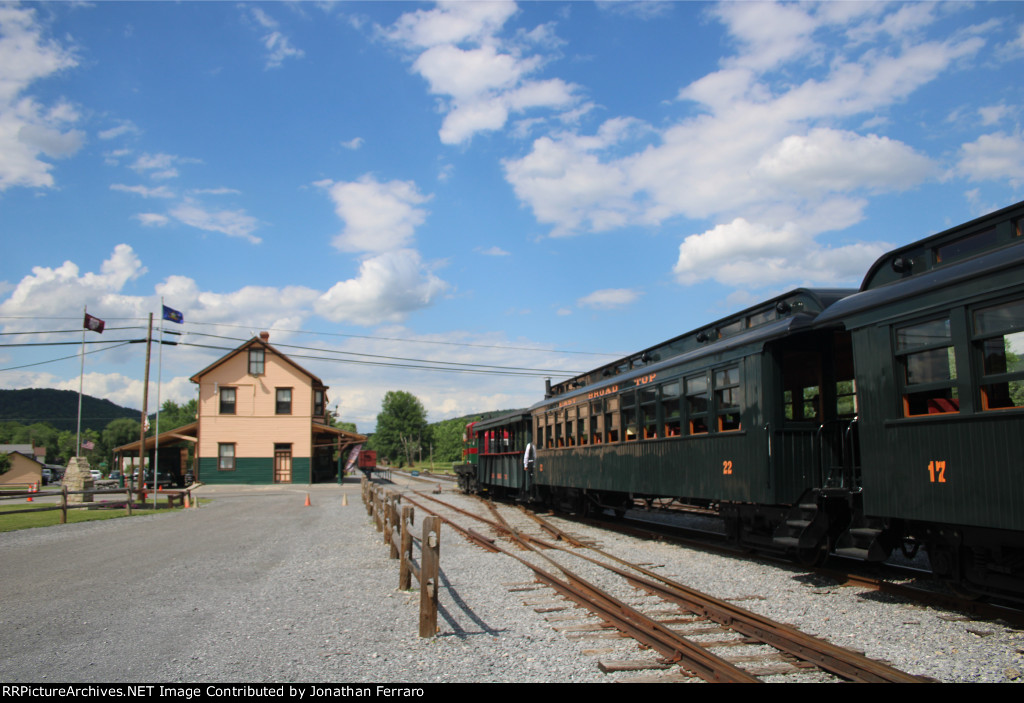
(145, 412)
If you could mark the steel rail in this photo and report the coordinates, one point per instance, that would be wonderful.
(670, 644)
(827, 656)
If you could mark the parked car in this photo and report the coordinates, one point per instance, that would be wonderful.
(96, 475)
(47, 476)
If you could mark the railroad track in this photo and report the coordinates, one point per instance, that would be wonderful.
(676, 635)
(836, 569)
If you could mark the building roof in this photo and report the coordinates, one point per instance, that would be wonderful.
(26, 449)
(262, 341)
(185, 433)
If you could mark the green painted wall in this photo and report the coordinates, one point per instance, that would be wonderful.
(251, 470)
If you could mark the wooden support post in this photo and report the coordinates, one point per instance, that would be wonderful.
(394, 527)
(429, 571)
(404, 567)
(63, 505)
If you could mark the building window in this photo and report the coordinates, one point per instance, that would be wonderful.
(928, 364)
(318, 403)
(227, 401)
(284, 401)
(255, 361)
(226, 457)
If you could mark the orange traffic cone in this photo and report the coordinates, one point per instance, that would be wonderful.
(31, 490)
(186, 502)
(307, 500)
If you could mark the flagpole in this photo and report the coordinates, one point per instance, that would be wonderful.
(81, 375)
(145, 408)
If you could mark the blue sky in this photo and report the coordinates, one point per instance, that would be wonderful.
(515, 185)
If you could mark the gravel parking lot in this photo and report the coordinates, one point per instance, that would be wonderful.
(256, 587)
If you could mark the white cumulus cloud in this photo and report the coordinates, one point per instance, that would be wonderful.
(388, 288)
(378, 216)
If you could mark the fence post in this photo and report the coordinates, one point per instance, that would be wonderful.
(404, 567)
(429, 569)
(393, 525)
(63, 505)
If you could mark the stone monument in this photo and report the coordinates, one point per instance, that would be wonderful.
(78, 477)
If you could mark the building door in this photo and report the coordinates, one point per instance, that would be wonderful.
(282, 463)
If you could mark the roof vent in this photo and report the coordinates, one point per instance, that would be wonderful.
(265, 336)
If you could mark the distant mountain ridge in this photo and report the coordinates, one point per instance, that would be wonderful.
(59, 408)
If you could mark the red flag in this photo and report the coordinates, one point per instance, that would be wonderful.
(93, 323)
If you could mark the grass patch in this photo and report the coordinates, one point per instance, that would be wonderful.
(24, 521)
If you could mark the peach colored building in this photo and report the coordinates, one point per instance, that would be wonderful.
(263, 419)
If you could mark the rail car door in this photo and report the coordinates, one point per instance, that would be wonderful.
(814, 438)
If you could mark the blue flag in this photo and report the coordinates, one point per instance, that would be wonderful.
(173, 315)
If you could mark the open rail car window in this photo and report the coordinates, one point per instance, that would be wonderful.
(629, 416)
(583, 425)
(728, 398)
(671, 409)
(928, 365)
(999, 338)
(697, 404)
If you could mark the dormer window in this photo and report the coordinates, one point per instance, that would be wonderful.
(255, 362)
(318, 403)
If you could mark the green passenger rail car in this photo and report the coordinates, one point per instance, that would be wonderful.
(938, 343)
(820, 421)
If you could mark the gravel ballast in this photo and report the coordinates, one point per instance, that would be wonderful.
(256, 587)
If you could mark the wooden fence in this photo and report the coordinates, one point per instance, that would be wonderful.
(397, 527)
(64, 506)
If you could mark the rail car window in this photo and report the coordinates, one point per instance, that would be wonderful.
(671, 409)
(801, 383)
(728, 398)
(730, 329)
(597, 422)
(928, 361)
(570, 427)
(583, 424)
(965, 246)
(806, 405)
(999, 337)
(629, 416)
(611, 419)
(846, 398)
(759, 318)
(697, 404)
(648, 399)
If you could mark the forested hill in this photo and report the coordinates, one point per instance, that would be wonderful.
(59, 408)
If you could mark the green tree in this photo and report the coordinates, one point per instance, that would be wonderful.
(173, 415)
(401, 427)
(447, 436)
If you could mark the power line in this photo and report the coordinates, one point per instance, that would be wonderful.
(402, 358)
(63, 358)
(413, 341)
(340, 334)
(418, 367)
(105, 329)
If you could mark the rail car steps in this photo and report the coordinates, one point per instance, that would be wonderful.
(805, 525)
(864, 541)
